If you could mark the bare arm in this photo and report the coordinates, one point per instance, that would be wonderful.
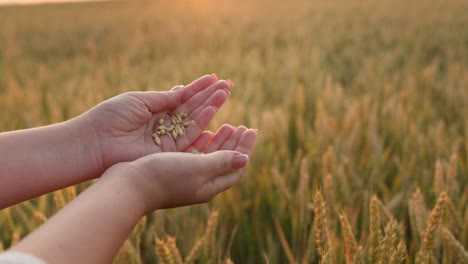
(92, 227)
(39, 160)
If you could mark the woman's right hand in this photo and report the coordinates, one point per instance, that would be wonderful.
(167, 180)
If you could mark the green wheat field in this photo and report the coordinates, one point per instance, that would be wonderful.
(361, 106)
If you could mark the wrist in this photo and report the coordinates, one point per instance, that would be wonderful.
(124, 176)
(83, 138)
(121, 183)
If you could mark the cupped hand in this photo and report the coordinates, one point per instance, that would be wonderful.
(123, 125)
(167, 180)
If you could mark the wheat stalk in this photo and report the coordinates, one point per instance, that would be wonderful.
(462, 253)
(389, 242)
(211, 232)
(439, 183)
(59, 200)
(454, 217)
(15, 238)
(375, 233)
(432, 229)
(349, 241)
(163, 251)
(284, 242)
(321, 225)
(278, 180)
(399, 254)
(71, 193)
(206, 238)
(418, 213)
(171, 244)
(228, 261)
(125, 254)
(39, 218)
(139, 231)
(452, 173)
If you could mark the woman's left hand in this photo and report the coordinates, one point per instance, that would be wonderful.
(122, 126)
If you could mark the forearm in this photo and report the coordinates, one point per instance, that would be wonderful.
(90, 229)
(40, 160)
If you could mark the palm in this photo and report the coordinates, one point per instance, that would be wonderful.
(125, 123)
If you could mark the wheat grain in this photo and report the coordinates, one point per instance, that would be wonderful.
(175, 130)
(195, 151)
(156, 138)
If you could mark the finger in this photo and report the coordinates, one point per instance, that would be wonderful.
(222, 162)
(247, 142)
(221, 136)
(198, 99)
(160, 101)
(232, 142)
(193, 132)
(201, 141)
(198, 85)
(217, 100)
(207, 166)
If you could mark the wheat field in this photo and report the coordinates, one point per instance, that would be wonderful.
(361, 106)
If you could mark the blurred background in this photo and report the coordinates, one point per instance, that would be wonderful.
(351, 98)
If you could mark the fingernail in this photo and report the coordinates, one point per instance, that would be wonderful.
(239, 161)
(230, 83)
(214, 76)
(177, 87)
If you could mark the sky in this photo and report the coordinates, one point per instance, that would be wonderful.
(7, 2)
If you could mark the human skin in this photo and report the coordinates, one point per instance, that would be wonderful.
(92, 227)
(40, 160)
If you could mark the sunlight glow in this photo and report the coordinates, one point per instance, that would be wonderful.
(26, 2)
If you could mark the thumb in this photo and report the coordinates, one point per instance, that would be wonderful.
(223, 162)
(160, 101)
(226, 166)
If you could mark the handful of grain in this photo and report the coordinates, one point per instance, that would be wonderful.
(175, 130)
